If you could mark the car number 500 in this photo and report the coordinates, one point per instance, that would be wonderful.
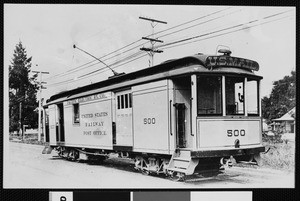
(241, 132)
(149, 121)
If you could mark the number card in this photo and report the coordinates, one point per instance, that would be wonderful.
(60, 196)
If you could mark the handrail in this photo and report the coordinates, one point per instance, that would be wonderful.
(171, 118)
(191, 120)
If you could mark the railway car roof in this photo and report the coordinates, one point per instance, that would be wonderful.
(206, 62)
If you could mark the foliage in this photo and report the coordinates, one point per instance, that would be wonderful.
(282, 98)
(280, 156)
(276, 138)
(22, 91)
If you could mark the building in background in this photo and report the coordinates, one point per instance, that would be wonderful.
(286, 123)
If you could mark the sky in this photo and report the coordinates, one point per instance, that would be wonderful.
(49, 32)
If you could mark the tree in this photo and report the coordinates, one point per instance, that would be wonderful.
(22, 91)
(282, 98)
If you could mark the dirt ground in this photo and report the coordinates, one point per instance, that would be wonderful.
(26, 167)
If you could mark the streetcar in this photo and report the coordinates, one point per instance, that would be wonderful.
(192, 115)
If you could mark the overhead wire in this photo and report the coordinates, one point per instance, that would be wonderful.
(119, 61)
(224, 29)
(104, 69)
(191, 38)
(220, 30)
(200, 23)
(243, 28)
(94, 73)
(97, 70)
(76, 69)
(85, 66)
(162, 32)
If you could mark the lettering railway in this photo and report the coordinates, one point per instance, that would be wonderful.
(185, 116)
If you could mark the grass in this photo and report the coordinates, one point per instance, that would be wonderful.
(29, 139)
(281, 155)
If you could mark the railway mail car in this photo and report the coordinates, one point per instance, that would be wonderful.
(181, 117)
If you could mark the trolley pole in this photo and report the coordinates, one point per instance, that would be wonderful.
(40, 101)
(114, 72)
(151, 51)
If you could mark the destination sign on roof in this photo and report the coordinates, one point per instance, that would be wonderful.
(223, 61)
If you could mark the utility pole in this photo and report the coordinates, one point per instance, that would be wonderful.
(151, 51)
(20, 117)
(40, 100)
(20, 100)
